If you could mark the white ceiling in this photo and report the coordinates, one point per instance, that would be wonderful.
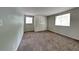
(44, 11)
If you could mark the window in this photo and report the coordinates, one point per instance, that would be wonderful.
(63, 20)
(29, 20)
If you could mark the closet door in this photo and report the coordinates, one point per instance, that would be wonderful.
(40, 23)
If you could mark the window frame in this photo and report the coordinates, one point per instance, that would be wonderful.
(26, 19)
(63, 15)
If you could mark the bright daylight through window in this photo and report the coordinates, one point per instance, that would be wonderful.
(63, 20)
(29, 20)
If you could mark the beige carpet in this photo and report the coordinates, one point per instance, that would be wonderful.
(47, 41)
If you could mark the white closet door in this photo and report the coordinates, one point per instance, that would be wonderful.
(40, 23)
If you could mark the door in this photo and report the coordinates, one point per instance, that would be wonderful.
(40, 23)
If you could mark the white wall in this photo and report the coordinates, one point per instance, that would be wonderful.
(72, 31)
(28, 27)
(40, 23)
(11, 30)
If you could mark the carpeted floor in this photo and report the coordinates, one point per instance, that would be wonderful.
(47, 41)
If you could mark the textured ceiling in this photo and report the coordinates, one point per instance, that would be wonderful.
(44, 11)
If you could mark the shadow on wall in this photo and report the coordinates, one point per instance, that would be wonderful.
(11, 30)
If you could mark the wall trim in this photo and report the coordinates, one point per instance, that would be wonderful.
(63, 35)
